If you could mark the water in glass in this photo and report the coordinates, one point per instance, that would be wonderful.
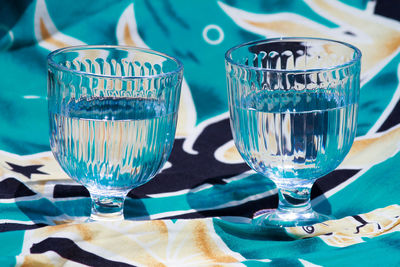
(112, 144)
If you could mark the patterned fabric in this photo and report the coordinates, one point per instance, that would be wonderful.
(205, 195)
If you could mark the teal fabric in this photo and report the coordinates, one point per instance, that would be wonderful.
(207, 189)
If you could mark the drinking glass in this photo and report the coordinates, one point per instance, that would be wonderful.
(112, 114)
(293, 106)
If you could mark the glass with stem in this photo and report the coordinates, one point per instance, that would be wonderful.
(112, 114)
(293, 109)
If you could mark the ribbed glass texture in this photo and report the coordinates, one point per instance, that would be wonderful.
(293, 105)
(112, 114)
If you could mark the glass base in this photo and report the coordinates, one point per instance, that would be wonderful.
(276, 218)
(107, 208)
(116, 216)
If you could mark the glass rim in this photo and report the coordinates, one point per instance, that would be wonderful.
(357, 57)
(53, 63)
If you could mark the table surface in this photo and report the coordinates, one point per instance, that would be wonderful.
(197, 210)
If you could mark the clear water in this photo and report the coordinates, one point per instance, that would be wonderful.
(296, 135)
(112, 144)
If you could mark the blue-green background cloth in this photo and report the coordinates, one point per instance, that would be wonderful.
(206, 178)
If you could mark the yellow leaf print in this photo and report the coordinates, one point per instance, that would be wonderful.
(47, 34)
(146, 243)
(351, 230)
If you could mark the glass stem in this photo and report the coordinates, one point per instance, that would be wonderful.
(107, 208)
(295, 199)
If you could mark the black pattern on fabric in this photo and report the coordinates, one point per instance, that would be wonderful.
(362, 221)
(13, 188)
(331, 180)
(5, 227)
(62, 191)
(308, 229)
(392, 120)
(27, 171)
(388, 8)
